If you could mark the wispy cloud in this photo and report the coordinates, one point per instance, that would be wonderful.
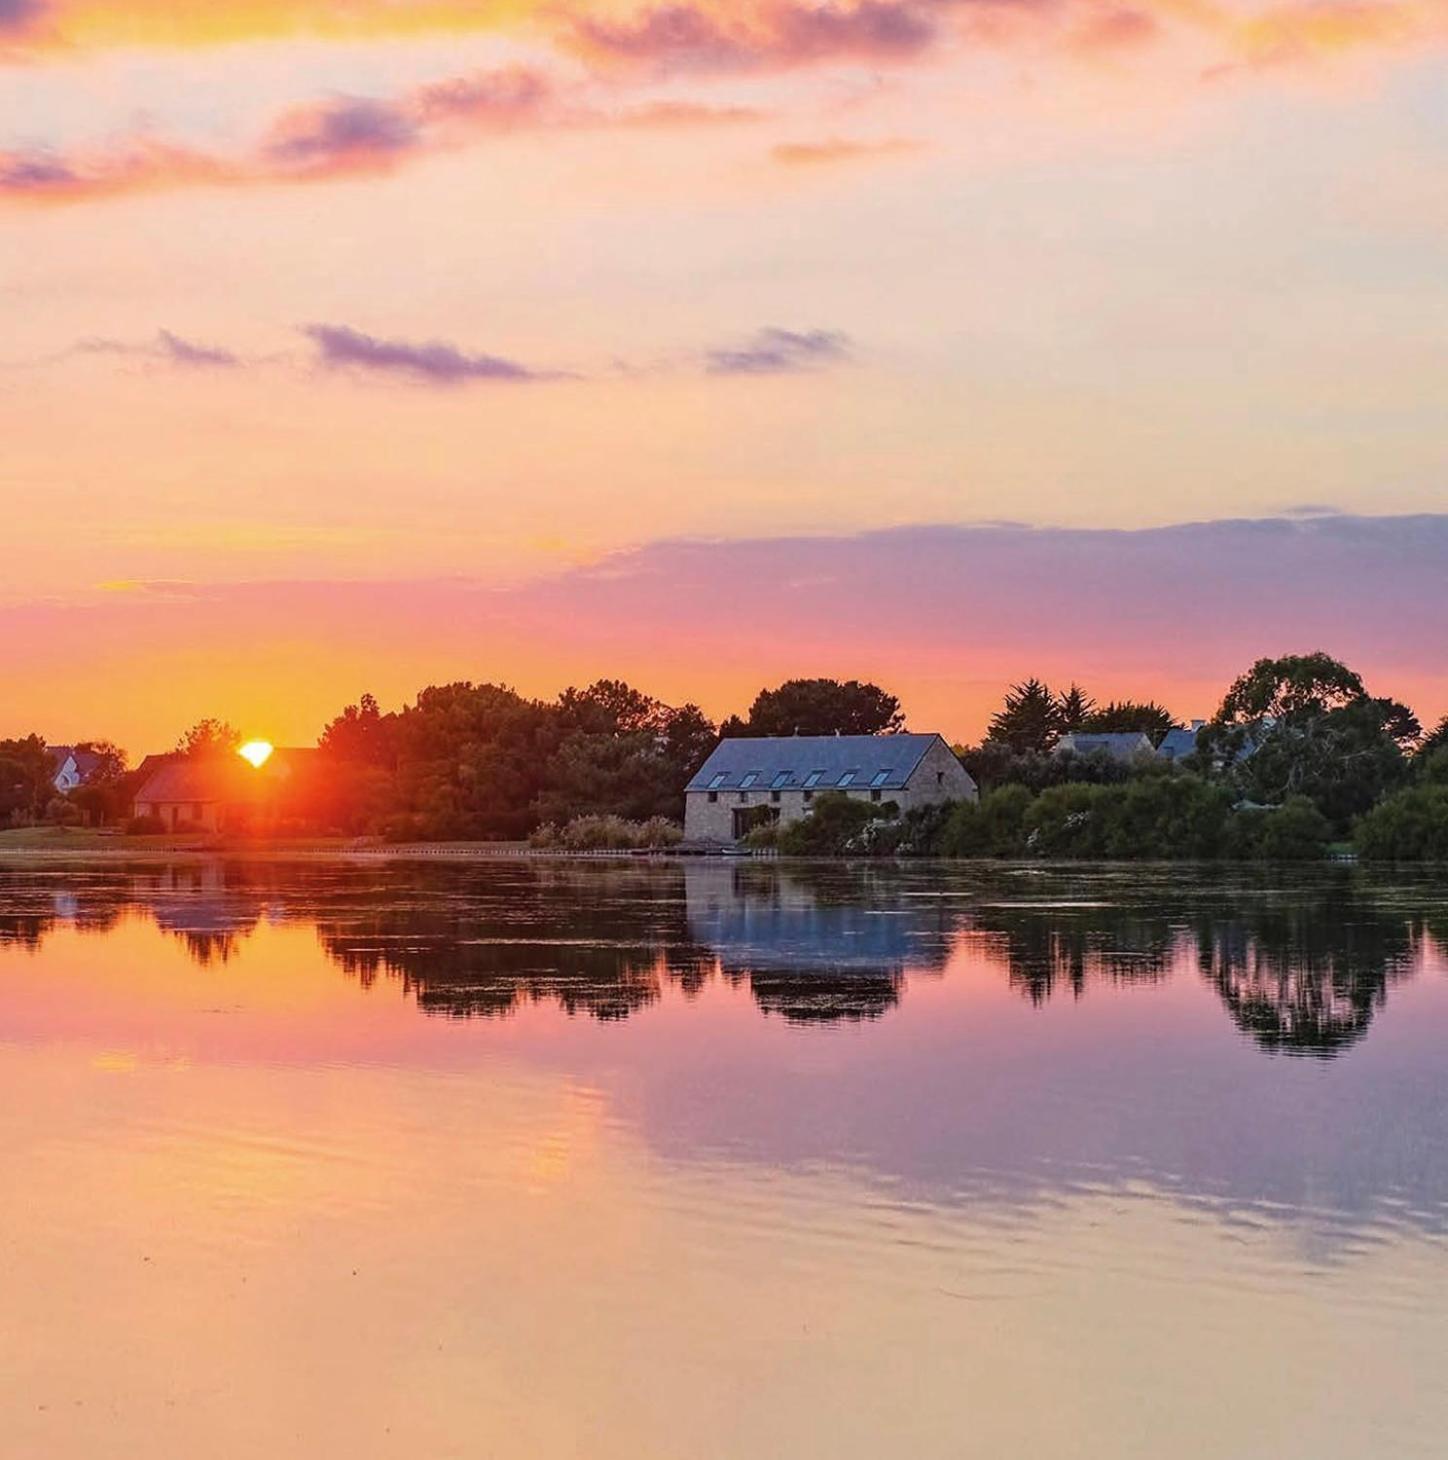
(17, 16)
(347, 136)
(840, 149)
(774, 35)
(167, 348)
(340, 347)
(779, 352)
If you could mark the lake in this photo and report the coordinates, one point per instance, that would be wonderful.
(608, 1159)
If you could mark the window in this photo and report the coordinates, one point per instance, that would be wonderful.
(939, 778)
(875, 795)
(744, 796)
(880, 778)
(848, 779)
(781, 780)
(717, 781)
(813, 779)
(749, 780)
(808, 797)
(775, 796)
(713, 798)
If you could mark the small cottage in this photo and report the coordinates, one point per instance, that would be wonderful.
(224, 792)
(746, 782)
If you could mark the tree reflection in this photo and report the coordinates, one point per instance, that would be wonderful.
(1301, 967)
(1306, 974)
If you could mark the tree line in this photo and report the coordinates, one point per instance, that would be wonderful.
(1298, 754)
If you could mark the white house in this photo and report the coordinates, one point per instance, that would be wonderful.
(776, 778)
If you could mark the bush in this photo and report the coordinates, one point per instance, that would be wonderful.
(607, 834)
(1409, 827)
(994, 826)
(145, 826)
(837, 824)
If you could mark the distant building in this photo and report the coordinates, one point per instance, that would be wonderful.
(225, 792)
(776, 778)
(1178, 744)
(73, 766)
(1119, 745)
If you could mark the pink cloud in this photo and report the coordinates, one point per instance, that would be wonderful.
(946, 616)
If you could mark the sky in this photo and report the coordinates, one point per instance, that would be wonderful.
(355, 345)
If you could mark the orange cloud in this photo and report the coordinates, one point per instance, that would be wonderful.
(839, 149)
(343, 136)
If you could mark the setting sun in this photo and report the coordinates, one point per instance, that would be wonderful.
(258, 752)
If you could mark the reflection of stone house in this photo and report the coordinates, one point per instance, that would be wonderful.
(225, 792)
(776, 778)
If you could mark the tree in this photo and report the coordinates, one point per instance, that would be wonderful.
(1305, 725)
(835, 823)
(27, 779)
(361, 734)
(1074, 709)
(1128, 716)
(209, 737)
(821, 707)
(1436, 739)
(1029, 720)
(105, 795)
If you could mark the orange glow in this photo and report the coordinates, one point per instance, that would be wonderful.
(257, 752)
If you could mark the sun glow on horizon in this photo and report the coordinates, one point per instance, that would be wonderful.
(257, 752)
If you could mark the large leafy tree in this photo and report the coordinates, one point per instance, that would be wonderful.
(1305, 725)
(26, 779)
(1029, 720)
(821, 707)
(209, 737)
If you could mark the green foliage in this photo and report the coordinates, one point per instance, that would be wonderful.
(1411, 826)
(836, 824)
(1074, 709)
(1304, 725)
(26, 780)
(1030, 719)
(608, 833)
(1122, 717)
(1434, 741)
(993, 763)
(209, 737)
(994, 826)
(1296, 831)
(820, 707)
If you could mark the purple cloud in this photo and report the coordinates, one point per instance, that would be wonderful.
(780, 34)
(20, 14)
(188, 353)
(34, 172)
(346, 132)
(432, 363)
(779, 352)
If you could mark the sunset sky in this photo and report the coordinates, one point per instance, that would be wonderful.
(357, 344)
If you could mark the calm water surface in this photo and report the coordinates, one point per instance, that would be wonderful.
(593, 1160)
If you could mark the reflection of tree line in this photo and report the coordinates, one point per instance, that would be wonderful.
(1300, 967)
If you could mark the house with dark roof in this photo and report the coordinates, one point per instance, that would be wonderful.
(1118, 745)
(1178, 744)
(74, 766)
(224, 792)
(748, 781)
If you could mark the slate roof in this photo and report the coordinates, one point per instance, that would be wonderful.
(1177, 744)
(879, 762)
(177, 777)
(1119, 745)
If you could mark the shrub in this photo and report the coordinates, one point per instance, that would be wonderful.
(837, 824)
(1409, 827)
(994, 826)
(145, 826)
(607, 834)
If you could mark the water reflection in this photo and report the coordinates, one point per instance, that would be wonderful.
(1301, 967)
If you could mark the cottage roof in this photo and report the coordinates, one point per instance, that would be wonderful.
(813, 762)
(205, 779)
(1119, 744)
(1177, 744)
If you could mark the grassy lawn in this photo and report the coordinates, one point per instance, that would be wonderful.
(80, 839)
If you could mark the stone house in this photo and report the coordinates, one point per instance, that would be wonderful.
(747, 781)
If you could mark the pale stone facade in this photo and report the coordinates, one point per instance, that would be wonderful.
(926, 774)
